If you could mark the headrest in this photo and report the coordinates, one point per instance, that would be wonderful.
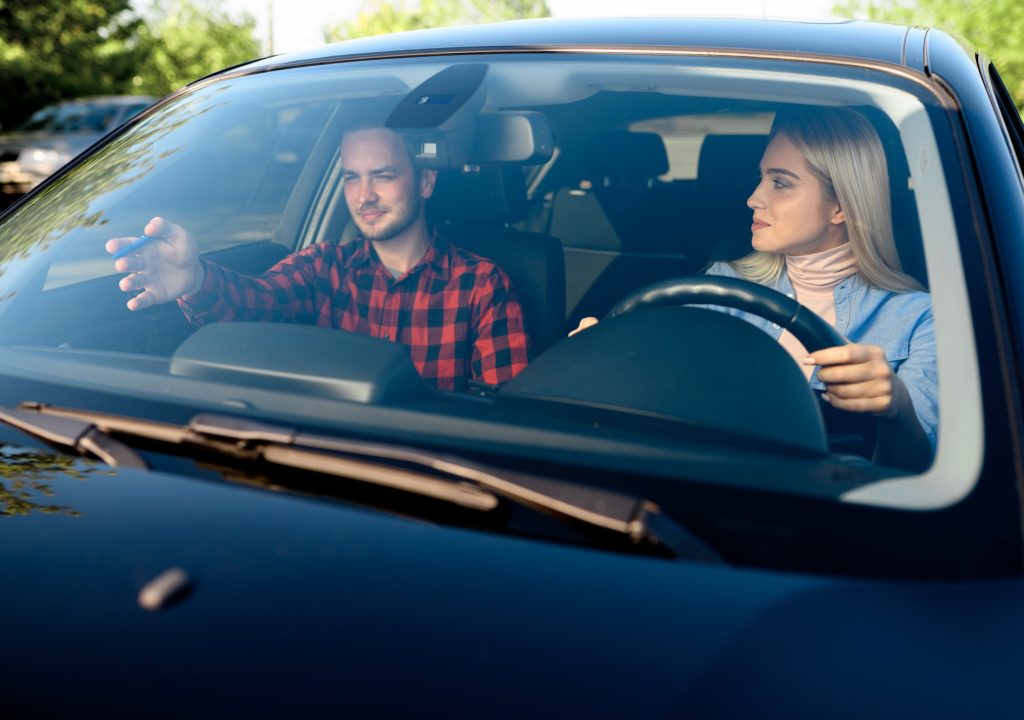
(726, 160)
(635, 156)
(492, 196)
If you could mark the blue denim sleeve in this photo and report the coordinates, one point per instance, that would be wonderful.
(919, 374)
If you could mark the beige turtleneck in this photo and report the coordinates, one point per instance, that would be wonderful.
(814, 278)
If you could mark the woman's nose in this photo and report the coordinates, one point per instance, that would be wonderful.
(754, 201)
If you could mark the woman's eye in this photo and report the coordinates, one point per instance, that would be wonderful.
(779, 184)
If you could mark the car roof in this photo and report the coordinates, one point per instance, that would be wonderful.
(858, 39)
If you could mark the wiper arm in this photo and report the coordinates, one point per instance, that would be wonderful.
(267, 449)
(639, 519)
(70, 432)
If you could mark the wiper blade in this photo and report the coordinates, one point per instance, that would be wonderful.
(269, 450)
(475, 486)
(77, 434)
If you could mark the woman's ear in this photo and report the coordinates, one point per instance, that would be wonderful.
(838, 216)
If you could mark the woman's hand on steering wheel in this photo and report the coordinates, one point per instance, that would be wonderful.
(857, 378)
(586, 322)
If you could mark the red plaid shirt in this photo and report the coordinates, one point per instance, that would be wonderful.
(456, 311)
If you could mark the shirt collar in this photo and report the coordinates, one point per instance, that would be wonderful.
(437, 258)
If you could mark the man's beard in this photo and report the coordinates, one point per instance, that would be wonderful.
(400, 222)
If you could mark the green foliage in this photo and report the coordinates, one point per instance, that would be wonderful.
(57, 49)
(381, 18)
(27, 478)
(187, 39)
(995, 27)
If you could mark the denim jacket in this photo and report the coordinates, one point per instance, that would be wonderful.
(899, 322)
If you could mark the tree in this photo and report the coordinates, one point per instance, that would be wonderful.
(56, 49)
(187, 39)
(381, 18)
(995, 27)
(53, 50)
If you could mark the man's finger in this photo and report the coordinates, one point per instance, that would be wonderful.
(141, 301)
(135, 281)
(129, 264)
(156, 227)
(114, 244)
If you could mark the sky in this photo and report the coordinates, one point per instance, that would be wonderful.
(298, 23)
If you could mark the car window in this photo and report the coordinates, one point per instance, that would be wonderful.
(639, 171)
(683, 136)
(73, 117)
(131, 111)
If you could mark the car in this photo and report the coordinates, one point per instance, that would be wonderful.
(657, 517)
(56, 133)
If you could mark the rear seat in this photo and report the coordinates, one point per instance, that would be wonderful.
(727, 174)
(620, 227)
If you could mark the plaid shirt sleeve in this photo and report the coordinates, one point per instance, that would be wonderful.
(285, 292)
(500, 344)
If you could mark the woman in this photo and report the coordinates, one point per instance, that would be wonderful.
(822, 233)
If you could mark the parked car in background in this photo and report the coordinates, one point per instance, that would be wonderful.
(654, 519)
(55, 134)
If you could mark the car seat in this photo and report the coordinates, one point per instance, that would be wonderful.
(621, 227)
(475, 211)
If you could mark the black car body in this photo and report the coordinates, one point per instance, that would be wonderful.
(698, 551)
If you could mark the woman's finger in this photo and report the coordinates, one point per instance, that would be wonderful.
(584, 324)
(854, 373)
(844, 355)
(851, 391)
(879, 405)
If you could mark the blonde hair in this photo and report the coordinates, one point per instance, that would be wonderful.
(846, 155)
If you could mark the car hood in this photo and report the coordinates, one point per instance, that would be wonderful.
(320, 608)
(67, 143)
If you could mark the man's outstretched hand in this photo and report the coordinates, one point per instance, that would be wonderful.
(164, 269)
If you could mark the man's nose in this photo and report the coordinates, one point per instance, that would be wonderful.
(367, 192)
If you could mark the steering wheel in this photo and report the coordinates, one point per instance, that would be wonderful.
(807, 327)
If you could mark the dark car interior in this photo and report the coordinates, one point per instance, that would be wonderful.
(577, 208)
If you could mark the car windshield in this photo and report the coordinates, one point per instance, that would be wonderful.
(81, 116)
(584, 178)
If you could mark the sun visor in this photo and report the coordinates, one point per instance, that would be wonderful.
(437, 116)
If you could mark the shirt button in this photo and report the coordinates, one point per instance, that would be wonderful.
(789, 295)
(774, 325)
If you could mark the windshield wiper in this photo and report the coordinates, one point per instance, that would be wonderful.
(75, 433)
(462, 482)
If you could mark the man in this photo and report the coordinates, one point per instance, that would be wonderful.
(457, 312)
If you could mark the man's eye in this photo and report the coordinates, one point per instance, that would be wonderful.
(385, 177)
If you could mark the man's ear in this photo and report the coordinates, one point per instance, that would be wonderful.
(428, 178)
